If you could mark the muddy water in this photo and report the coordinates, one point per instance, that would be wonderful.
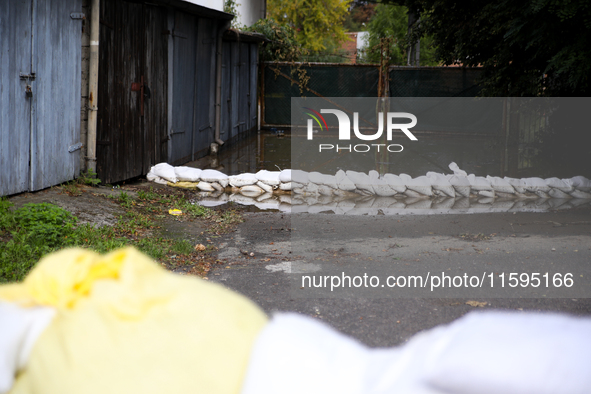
(265, 150)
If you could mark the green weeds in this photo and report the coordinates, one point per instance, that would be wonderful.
(34, 230)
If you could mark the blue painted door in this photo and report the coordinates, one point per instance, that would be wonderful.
(40, 57)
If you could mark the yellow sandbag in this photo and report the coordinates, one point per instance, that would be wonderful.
(126, 325)
(184, 185)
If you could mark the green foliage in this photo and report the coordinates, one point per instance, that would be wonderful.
(527, 48)
(231, 7)
(282, 45)
(34, 230)
(359, 16)
(29, 233)
(388, 21)
(89, 178)
(316, 23)
(45, 224)
(391, 21)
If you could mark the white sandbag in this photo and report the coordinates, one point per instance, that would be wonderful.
(323, 179)
(380, 187)
(187, 174)
(536, 184)
(217, 186)
(454, 167)
(412, 194)
(160, 181)
(579, 194)
(361, 181)
(542, 194)
(461, 184)
(299, 176)
(405, 178)
(395, 183)
(315, 177)
(421, 185)
(343, 182)
(270, 178)
(214, 176)
(251, 191)
(486, 193)
(309, 189)
(325, 190)
(244, 179)
(151, 176)
(517, 184)
(285, 176)
(285, 186)
(559, 184)
(265, 187)
(441, 183)
(581, 183)
(205, 186)
(478, 183)
(557, 193)
(165, 171)
(500, 185)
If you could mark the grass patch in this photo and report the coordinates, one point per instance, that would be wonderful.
(34, 230)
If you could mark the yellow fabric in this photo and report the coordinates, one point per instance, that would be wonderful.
(126, 325)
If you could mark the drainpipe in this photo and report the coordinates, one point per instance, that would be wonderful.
(93, 86)
(218, 82)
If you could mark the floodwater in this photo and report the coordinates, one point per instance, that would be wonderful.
(482, 155)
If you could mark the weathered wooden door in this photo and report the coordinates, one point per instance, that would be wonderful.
(40, 55)
(133, 77)
(183, 37)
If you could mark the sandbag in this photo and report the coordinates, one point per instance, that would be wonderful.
(270, 178)
(214, 176)
(188, 174)
(343, 182)
(244, 179)
(165, 171)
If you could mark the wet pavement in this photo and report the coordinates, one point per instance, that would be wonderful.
(557, 241)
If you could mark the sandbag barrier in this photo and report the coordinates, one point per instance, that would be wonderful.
(356, 193)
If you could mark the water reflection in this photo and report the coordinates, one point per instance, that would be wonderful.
(369, 205)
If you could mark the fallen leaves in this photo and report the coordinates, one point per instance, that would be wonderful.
(477, 304)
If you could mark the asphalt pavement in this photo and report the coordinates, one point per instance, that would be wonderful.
(471, 255)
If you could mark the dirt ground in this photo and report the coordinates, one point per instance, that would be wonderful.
(260, 257)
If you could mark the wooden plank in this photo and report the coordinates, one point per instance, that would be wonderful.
(56, 93)
(119, 129)
(184, 88)
(15, 108)
(156, 78)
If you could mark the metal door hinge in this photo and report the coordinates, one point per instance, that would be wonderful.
(77, 15)
(75, 147)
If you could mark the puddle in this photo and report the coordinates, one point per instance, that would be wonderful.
(364, 205)
(265, 150)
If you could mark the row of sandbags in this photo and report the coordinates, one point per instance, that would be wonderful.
(371, 205)
(352, 183)
(458, 184)
(248, 184)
